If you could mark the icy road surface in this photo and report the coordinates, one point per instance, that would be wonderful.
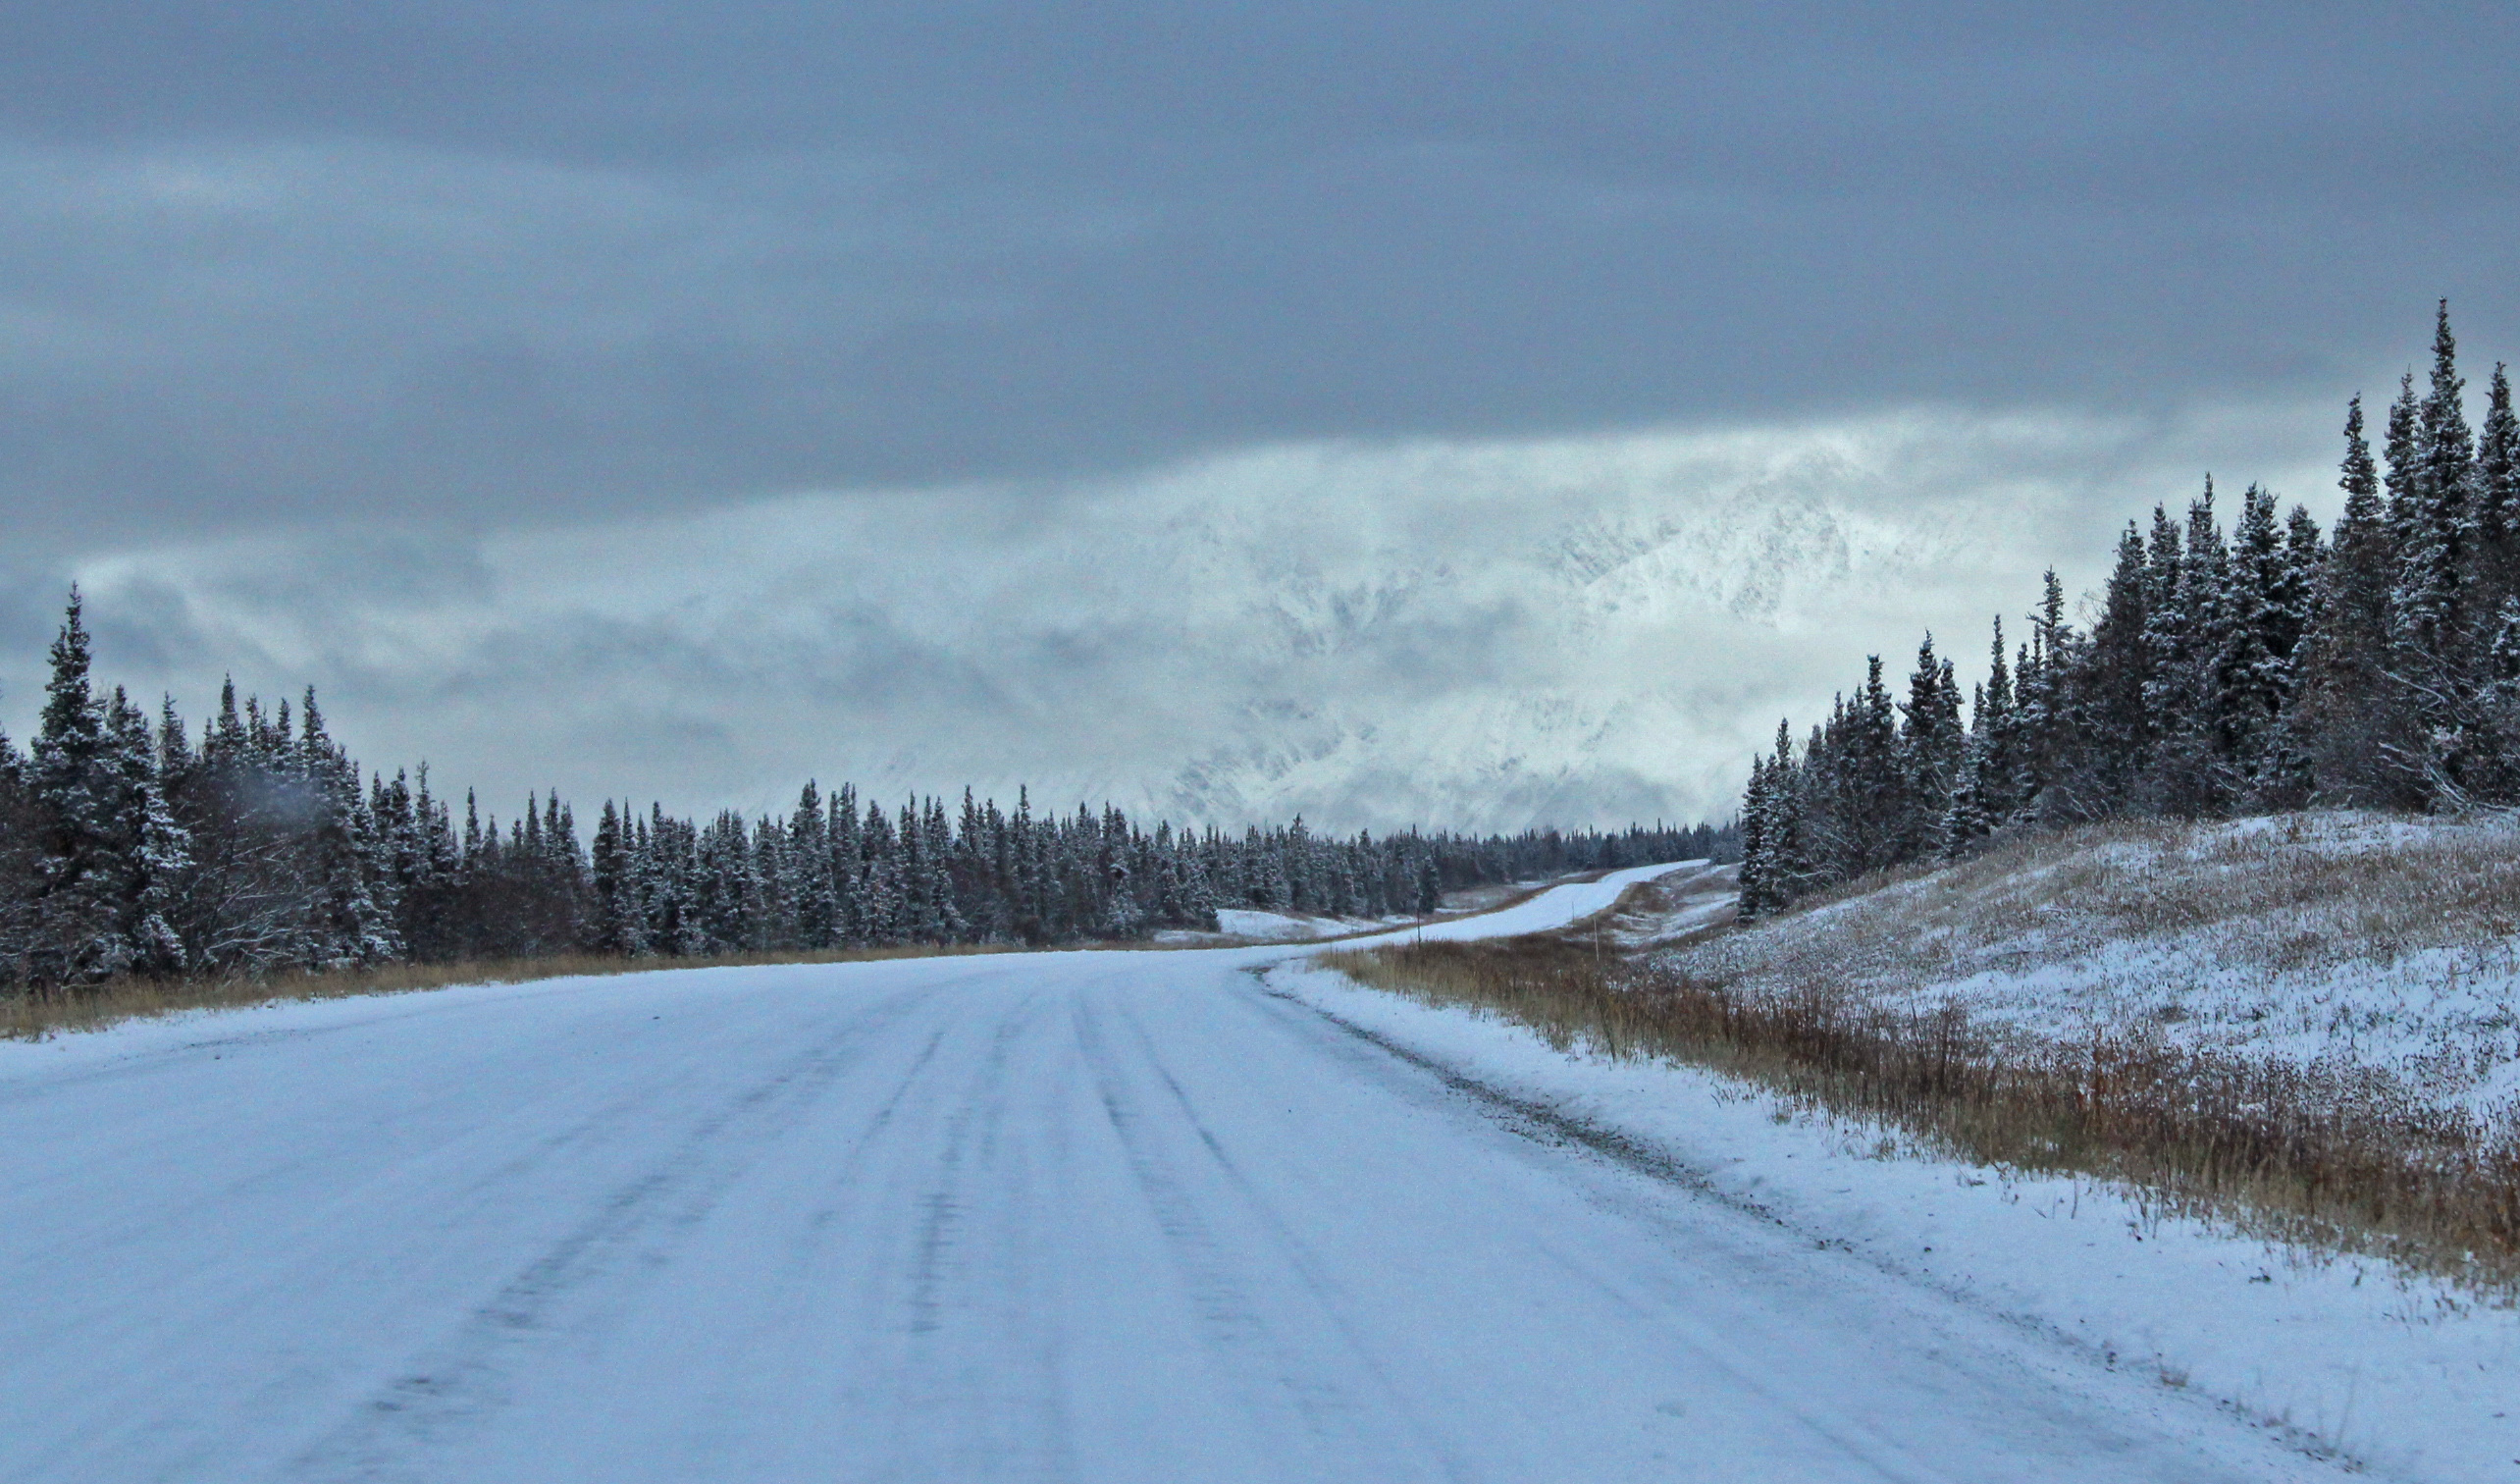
(1090, 1216)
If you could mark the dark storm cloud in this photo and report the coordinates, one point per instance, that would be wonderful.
(484, 263)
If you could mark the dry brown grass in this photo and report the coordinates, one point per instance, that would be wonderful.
(33, 1015)
(2337, 1158)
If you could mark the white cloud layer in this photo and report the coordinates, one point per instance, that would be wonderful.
(1472, 634)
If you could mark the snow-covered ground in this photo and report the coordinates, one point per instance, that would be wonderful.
(2375, 942)
(1563, 904)
(1081, 1216)
(1674, 907)
(1556, 907)
(2399, 1378)
(1242, 923)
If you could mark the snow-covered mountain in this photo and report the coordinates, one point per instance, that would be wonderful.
(1595, 657)
(1586, 631)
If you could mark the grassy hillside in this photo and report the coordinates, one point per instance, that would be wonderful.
(2381, 943)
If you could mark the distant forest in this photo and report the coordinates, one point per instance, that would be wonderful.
(129, 848)
(2377, 665)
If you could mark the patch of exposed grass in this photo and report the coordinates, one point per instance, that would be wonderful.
(2335, 1156)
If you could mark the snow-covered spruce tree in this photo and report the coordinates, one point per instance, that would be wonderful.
(1928, 749)
(848, 866)
(1757, 893)
(2254, 676)
(20, 863)
(2187, 772)
(2049, 701)
(2494, 544)
(2290, 777)
(89, 865)
(2439, 655)
(880, 923)
(1995, 742)
(940, 918)
(2432, 510)
(161, 858)
(1870, 796)
(615, 930)
(2354, 720)
(807, 877)
(1784, 868)
(1429, 885)
(2114, 728)
(1964, 818)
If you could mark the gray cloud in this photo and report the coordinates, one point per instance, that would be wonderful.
(479, 264)
(1394, 412)
(1473, 632)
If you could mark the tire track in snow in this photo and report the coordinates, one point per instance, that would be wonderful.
(460, 1385)
(1279, 1381)
(955, 1394)
(1327, 1296)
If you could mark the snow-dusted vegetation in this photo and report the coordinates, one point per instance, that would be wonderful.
(2304, 1023)
(2336, 941)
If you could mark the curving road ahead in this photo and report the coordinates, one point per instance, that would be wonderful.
(1073, 1216)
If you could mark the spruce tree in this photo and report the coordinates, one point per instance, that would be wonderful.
(160, 859)
(2405, 472)
(2440, 459)
(2117, 726)
(85, 858)
(1965, 821)
(2497, 556)
(2252, 679)
(1931, 742)
(2352, 713)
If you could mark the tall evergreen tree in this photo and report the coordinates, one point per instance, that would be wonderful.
(85, 854)
(1932, 739)
(2432, 554)
(2496, 554)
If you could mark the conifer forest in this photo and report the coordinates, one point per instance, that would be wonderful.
(2220, 673)
(132, 845)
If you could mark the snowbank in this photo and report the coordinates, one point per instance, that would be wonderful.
(2407, 1377)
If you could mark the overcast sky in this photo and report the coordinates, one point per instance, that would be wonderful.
(680, 399)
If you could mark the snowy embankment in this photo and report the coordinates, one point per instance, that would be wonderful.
(1246, 924)
(1558, 907)
(2407, 1377)
(2346, 940)
(2259, 953)
(1541, 909)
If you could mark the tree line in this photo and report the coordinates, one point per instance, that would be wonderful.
(129, 847)
(2271, 667)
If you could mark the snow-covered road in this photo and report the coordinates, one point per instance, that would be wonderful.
(1090, 1216)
